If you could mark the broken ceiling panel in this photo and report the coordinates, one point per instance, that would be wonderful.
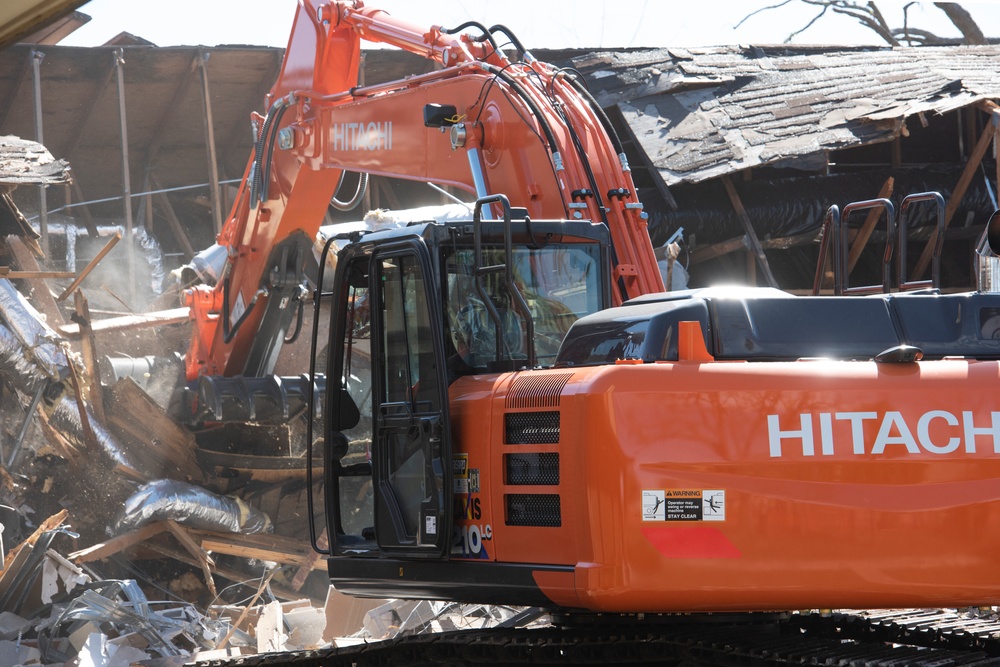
(777, 104)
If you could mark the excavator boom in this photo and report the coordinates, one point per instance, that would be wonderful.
(483, 123)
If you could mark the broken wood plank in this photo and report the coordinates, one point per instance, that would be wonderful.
(970, 170)
(13, 274)
(156, 441)
(703, 253)
(206, 562)
(188, 542)
(125, 322)
(57, 441)
(131, 474)
(89, 439)
(41, 298)
(117, 544)
(755, 246)
(312, 561)
(229, 573)
(261, 546)
(46, 526)
(88, 347)
(90, 267)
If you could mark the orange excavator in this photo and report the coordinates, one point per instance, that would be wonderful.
(516, 413)
(483, 124)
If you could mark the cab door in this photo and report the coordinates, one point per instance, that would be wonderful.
(410, 429)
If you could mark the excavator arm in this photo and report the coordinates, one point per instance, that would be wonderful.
(482, 123)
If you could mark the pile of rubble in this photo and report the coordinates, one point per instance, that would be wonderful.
(56, 613)
(128, 535)
(130, 532)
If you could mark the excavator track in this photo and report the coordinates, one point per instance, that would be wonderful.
(918, 638)
(971, 630)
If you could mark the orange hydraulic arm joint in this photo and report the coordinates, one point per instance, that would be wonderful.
(519, 128)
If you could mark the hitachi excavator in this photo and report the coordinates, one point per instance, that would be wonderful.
(516, 413)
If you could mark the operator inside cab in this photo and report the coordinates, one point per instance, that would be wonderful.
(558, 282)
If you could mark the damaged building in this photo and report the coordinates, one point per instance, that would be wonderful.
(745, 149)
(739, 153)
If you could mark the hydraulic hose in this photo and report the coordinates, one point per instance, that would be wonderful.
(510, 81)
(265, 142)
(599, 112)
(473, 24)
(522, 52)
(359, 193)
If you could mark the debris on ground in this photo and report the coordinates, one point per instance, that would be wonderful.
(59, 612)
(131, 528)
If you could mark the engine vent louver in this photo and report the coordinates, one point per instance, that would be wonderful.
(533, 509)
(531, 469)
(537, 391)
(531, 428)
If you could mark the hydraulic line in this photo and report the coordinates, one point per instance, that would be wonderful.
(359, 193)
(501, 74)
(522, 52)
(599, 112)
(265, 141)
(473, 24)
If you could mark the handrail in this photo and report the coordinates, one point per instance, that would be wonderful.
(890, 242)
(830, 229)
(901, 266)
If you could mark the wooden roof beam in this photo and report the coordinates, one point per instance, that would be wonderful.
(991, 130)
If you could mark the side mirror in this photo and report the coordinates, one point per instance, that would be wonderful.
(348, 416)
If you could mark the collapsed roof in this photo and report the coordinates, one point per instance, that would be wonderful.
(702, 113)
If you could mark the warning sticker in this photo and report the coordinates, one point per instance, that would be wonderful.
(683, 505)
(713, 504)
(653, 506)
(460, 473)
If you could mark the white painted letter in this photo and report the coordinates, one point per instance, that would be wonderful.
(904, 438)
(826, 433)
(971, 431)
(857, 428)
(923, 432)
(775, 435)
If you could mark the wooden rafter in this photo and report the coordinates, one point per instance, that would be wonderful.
(958, 193)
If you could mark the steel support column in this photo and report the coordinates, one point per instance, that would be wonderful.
(43, 208)
(213, 164)
(119, 56)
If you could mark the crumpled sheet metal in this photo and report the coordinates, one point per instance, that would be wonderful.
(192, 506)
(37, 340)
(123, 605)
(65, 418)
(30, 357)
(15, 366)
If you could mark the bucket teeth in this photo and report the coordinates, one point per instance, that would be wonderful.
(266, 400)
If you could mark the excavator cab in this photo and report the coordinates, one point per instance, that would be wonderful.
(414, 309)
